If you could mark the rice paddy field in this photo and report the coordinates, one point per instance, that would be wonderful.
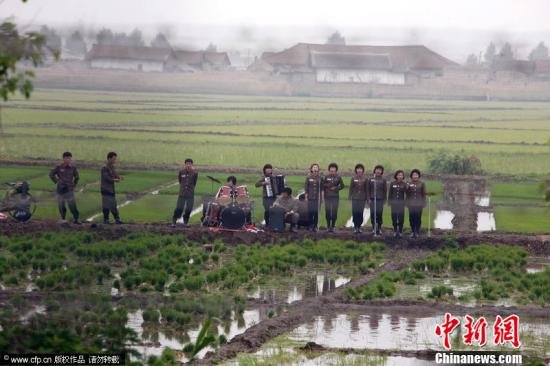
(150, 130)
(167, 296)
(510, 138)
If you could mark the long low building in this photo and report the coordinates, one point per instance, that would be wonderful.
(328, 63)
(148, 59)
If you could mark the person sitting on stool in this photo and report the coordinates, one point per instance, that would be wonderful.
(290, 205)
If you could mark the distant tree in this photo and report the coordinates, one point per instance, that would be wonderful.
(105, 36)
(76, 44)
(53, 40)
(455, 164)
(539, 53)
(211, 48)
(472, 60)
(336, 38)
(160, 41)
(490, 53)
(135, 39)
(506, 52)
(15, 48)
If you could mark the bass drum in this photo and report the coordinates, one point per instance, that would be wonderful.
(233, 217)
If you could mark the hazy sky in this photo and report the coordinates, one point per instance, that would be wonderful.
(472, 14)
(455, 28)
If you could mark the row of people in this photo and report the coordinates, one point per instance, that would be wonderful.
(364, 190)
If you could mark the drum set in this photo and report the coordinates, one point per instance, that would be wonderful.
(230, 208)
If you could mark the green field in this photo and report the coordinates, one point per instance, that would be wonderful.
(510, 138)
(154, 194)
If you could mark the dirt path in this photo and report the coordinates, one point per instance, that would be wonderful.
(336, 302)
(535, 243)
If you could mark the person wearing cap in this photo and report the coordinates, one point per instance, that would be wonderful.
(416, 201)
(187, 178)
(66, 177)
(377, 197)
(290, 205)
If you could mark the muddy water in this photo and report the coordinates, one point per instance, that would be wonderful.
(299, 288)
(444, 220)
(155, 339)
(460, 285)
(537, 264)
(396, 330)
(486, 221)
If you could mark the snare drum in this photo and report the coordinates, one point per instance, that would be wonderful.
(242, 196)
(223, 197)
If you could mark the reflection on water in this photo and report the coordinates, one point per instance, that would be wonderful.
(483, 200)
(35, 310)
(309, 286)
(155, 338)
(393, 330)
(444, 220)
(537, 264)
(486, 221)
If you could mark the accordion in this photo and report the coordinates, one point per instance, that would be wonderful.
(275, 185)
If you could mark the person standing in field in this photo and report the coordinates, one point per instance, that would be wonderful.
(378, 188)
(358, 190)
(416, 201)
(266, 200)
(332, 185)
(109, 177)
(313, 195)
(66, 177)
(187, 178)
(396, 198)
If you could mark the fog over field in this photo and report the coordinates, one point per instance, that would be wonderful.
(454, 29)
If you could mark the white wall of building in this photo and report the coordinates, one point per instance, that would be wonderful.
(359, 76)
(127, 64)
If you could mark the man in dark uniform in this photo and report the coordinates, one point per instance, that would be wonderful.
(267, 201)
(416, 200)
(332, 185)
(108, 196)
(66, 177)
(358, 189)
(314, 195)
(378, 188)
(187, 178)
(396, 198)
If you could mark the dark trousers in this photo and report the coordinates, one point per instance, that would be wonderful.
(67, 197)
(397, 216)
(376, 210)
(357, 208)
(108, 203)
(415, 218)
(331, 210)
(313, 212)
(267, 202)
(185, 206)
